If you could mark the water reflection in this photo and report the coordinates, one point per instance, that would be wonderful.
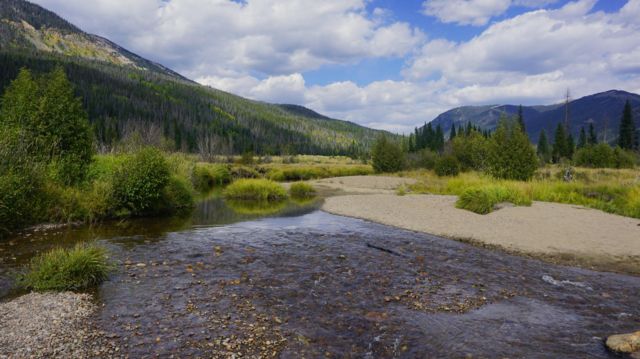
(16, 251)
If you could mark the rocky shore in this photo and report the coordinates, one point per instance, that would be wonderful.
(54, 325)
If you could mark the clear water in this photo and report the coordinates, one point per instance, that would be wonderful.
(299, 282)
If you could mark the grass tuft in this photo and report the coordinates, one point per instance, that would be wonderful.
(302, 190)
(483, 200)
(255, 190)
(81, 267)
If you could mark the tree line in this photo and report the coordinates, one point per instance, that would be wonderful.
(179, 115)
(507, 152)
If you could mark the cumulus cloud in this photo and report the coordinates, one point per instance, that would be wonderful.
(474, 12)
(257, 49)
(538, 53)
(218, 37)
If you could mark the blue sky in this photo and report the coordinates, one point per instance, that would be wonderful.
(390, 64)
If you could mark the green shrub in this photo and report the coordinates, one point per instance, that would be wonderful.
(79, 268)
(472, 151)
(22, 201)
(623, 158)
(596, 156)
(177, 196)
(302, 190)
(255, 189)
(447, 166)
(139, 182)
(387, 156)
(422, 159)
(207, 176)
(511, 155)
(484, 199)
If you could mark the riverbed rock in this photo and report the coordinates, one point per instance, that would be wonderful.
(624, 343)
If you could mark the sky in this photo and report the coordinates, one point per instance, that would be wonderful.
(386, 64)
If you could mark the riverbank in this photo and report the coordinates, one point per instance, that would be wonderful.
(559, 233)
(51, 325)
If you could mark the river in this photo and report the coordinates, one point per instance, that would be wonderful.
(293, 281)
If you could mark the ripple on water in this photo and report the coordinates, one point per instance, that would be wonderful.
(317, 284)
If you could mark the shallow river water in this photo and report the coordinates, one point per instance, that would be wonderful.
(299, 282)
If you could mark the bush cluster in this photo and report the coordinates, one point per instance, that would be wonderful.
(603, 156)
(447, 166)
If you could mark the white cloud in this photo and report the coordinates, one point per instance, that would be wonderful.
(474, 12)
(258, 50)
(536, 55)
(202, 38)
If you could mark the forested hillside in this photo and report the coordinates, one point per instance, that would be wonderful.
(125, 94)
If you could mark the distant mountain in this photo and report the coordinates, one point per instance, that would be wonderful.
(604, 110)
(125, 93)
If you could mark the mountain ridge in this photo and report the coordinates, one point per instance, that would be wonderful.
(125, 93)
(603, 109)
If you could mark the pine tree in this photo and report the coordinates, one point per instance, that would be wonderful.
(543, 150)
(452, 134)
(571, 147)
(559, 144)
(582, 140)
(593, 136)
(521, 119)
(627, 136)
(511, 155)
(438, 139)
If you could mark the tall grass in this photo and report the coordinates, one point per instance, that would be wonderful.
(60, 269)
(255, 190)
(614, 191)
(302, 190)
(207, 176)
(483, 200)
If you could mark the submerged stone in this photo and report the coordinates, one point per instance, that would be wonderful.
(624, 343)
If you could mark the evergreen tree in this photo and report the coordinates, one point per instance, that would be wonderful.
(593, 136)
(438, 139)
(571, 147)
(627, 136)
(559, 144)
(521, 119)
(582, 140)
(452, 134)
(53, 125)
(387, 156)
(543, 150)
(511, 155)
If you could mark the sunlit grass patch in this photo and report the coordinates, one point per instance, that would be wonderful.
(256, 190)
(302, 190)
(60, 269)
(483, 200)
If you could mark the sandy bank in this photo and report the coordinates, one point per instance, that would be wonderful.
(564, 233)
(363, 184)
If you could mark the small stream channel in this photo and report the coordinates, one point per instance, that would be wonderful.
(293, 282)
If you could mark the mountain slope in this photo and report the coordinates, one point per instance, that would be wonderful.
(126, 94)
(604, 110)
